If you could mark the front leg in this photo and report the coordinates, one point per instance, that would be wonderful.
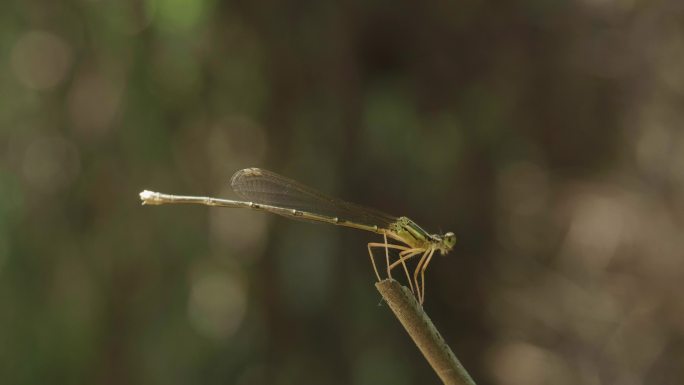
(422, 274)
(423, 257)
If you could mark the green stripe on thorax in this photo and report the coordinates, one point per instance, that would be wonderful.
(410, 233)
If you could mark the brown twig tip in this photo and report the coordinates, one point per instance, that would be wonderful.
(423, 332)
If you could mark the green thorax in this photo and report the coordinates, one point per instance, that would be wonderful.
(407, 231)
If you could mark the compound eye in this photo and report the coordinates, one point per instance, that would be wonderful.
(449, 239)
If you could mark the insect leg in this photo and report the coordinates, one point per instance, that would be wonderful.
(385, 246)
(422, 274)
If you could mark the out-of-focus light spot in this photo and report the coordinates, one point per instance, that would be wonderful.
(653, 146)
(40, 59)
(132, 17)
(670, 63)
(525, 364)
(50, 163)
(177, 15)
(639, 325)
(597, 225)
(218, 303)
(657, 234)
(93, 102)
(235, 143)
(242, 231)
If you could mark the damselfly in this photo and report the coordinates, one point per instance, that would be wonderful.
(268, 191)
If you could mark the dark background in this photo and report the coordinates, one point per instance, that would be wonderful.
(545, 134)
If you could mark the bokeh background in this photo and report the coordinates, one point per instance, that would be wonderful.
(546, 135)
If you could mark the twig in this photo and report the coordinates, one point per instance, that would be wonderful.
(423, 332)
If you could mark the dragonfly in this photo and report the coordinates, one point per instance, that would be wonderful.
(267, 191)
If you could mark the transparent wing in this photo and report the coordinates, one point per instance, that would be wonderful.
(266, 187)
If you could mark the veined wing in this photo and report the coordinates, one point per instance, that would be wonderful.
(266, 187)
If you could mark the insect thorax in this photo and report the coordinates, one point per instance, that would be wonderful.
(409, 232)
